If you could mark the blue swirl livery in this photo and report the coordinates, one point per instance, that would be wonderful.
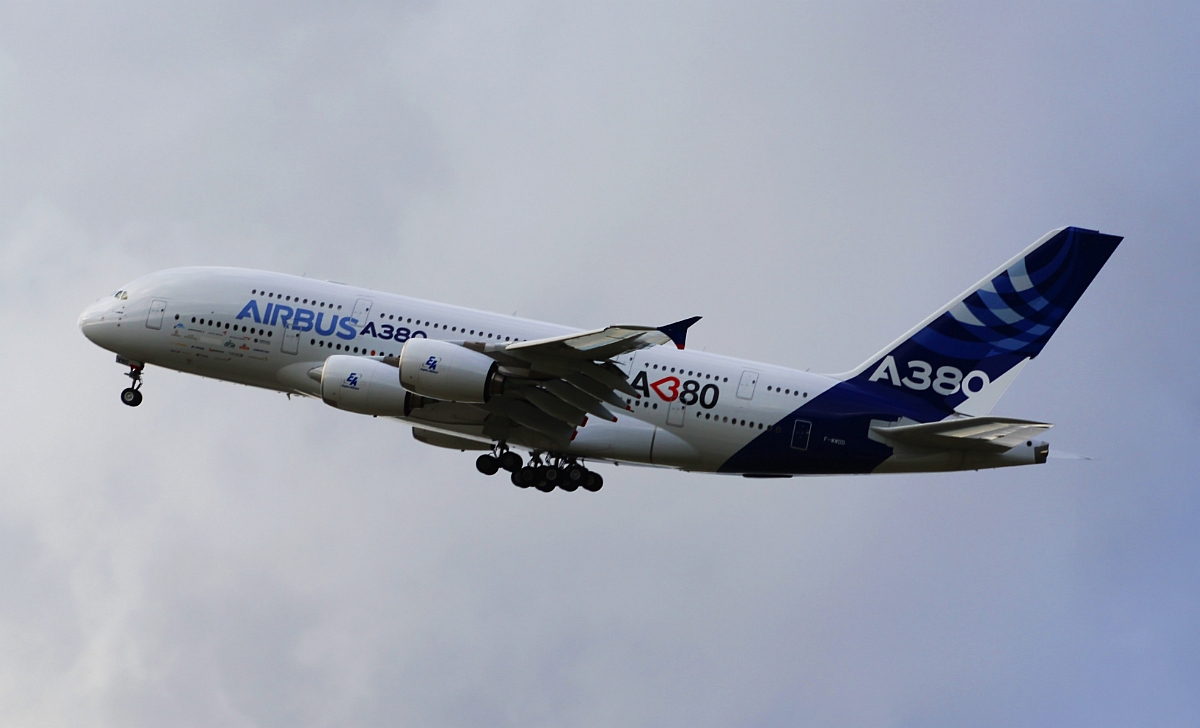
(962, 358)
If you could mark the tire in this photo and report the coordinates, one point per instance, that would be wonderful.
(543, 482)
(572, 477)
(511, 461)
(517, 481)
(527, 475)
(593, 482)
(487, 464)
(131, 397)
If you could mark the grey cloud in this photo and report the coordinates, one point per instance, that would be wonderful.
(812, 180)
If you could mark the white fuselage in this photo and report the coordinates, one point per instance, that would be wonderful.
(187, 319)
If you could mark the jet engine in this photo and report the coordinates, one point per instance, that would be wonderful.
(365, 386)
(446, 371)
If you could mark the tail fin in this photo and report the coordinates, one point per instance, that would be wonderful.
(963, 357)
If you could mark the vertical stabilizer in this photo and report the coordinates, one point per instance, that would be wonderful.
(962, 358)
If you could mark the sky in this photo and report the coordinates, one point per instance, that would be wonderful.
(811, 178)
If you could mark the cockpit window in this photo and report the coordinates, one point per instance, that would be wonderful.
(123, 295)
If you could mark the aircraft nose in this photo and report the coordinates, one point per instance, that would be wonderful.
(92, 322)
(92, 313)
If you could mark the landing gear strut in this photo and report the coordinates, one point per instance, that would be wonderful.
(132, 396)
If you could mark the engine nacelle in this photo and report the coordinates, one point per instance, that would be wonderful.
(365, 386)
(446, 371)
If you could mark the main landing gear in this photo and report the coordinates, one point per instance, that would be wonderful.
(544, 472)
(132, 396)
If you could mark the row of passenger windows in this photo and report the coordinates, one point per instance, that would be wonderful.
(297, 299)
(736, 421)
(382, 316)
(792, 392)
(644, 402)
(227, 325)
(315, 342)
(443, 327)
(708, 416)
(715, 377)
(348, 348)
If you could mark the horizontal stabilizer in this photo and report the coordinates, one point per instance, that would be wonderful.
(980, 434)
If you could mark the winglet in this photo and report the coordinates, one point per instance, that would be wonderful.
(678, 330)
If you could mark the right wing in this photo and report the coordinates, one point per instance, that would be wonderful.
(553, 384)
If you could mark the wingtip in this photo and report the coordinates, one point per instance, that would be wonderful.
(678, 330)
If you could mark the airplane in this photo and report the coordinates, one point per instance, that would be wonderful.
(477, 381)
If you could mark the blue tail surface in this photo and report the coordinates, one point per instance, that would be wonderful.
(963, 357)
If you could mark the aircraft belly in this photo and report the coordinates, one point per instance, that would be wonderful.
(627, 439)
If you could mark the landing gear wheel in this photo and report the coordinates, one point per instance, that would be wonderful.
(546, 478)
(511, 461)
(131, 396)
(487, 464)
(593, 482)
(525, 477)
(573, 477)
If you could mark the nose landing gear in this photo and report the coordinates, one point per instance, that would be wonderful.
(132, 396)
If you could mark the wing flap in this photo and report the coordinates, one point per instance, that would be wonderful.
(578, 398)
(524, 413)
(553, 406)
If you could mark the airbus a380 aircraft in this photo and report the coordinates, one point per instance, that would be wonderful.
(471, 380)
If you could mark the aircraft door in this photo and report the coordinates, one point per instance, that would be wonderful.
(157, 308)
(362, 312)
(800, 434)
(675, 414)
(291, 340)
(745, 388)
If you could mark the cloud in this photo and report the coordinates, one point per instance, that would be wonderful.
(811, 180)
